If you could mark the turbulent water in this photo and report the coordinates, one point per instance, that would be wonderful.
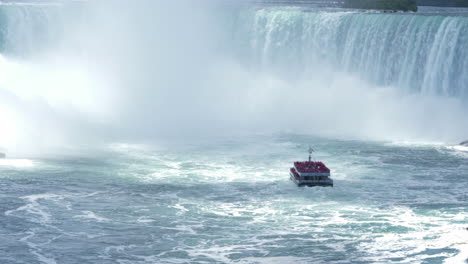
(231, 201)
(229, 99)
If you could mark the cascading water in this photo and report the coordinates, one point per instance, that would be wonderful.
(32, 29)
(243, 91)
(418, 53)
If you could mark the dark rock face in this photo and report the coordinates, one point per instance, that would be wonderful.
(464, 143)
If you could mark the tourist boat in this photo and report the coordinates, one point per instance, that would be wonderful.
(310, 173)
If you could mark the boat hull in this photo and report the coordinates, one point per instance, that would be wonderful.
(310, 183)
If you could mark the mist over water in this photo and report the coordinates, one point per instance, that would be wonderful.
(106, 71)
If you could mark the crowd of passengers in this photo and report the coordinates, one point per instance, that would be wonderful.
(310, 166)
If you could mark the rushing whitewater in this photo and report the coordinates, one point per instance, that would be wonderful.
(228, 98)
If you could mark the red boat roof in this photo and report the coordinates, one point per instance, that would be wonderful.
(311, 167)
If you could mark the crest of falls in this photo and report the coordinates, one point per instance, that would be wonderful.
(116, 70)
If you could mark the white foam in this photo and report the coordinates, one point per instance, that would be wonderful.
(459, 148)
(145, 219)
(34, 207)
(458, 239)
(181, 209)
(17, 163)
(415, 143)
(91, 216)
(426, 232)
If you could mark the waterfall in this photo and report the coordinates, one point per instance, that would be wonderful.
(417, 53)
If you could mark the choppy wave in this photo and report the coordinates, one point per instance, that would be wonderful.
(232, 202)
